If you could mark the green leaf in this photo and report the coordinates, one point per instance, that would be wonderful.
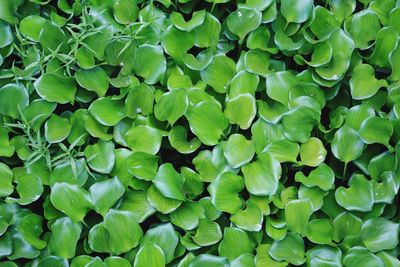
(346, 225)
(207, 34)
(385, 43)
(169, 182)
(380, 234)
(29, 188)
(359, 195)
(149, 255)
(283, 150)
(55, 88)
(241, 110)
(257, 61)
(323, 177)
(376, 130)
(178, 139)
(13, 98)
(160, 203)
(296, 11)
(99, 238)
(279, 84)
(64, 237)
(319, 231)
(94, 79)
(346, 144)
(249, 219)
(150, 63)
(6, 178)
(262, 176)
(188, 215)
(125, 232)
(105, 194)
(219, 73)
(243, 20)
(125, 11)
(196, 20)
(107, 111)
(56, 129)
(171, 106)
(290, 249)
(207, 122)
(101, 156)
(209, 260)
(176, 42)
(360, 256)
(320, 256)
(297, 214)
(313, 152)
(235, 243)
(114, 261)
(165, 237)
(78, 204)
(342, 8)
(142, 165)
(143, 138)
(208, 233)
(235, 143)
(363, 27)
(224, 192)
(363, 83)
(137, 203)
(30, 228)
(140, 99)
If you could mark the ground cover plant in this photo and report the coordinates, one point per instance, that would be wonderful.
(192, 133)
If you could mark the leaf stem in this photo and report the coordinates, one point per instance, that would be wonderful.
(344, 169)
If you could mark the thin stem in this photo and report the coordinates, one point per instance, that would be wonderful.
(344, 169)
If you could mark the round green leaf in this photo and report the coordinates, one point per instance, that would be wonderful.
(125, 11)
(107, 111)
(235, 243)
(169, 182)
(101, 156)
(243, 20)
(262, 176)
(290, 249)
(143, 138)
(235, 143)
(380, 234)
(94, 79)
(56, 129)
(363, 83)
(125, 232)
(313, 152)
(13, 99)
(105, 194)
(359, 195)
(224, 192)
(219, 73)
(178, 139)
(149, 255)
(207, 122)
(241, 110)
(376, 130)
(55, 88)
(142, 165)
(78, 204)
(346, 144)
(64, 237)
(150, 63)
(171, 106)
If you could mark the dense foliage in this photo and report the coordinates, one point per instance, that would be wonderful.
(196, 133)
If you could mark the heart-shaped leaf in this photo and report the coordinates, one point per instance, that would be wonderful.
(359, 195)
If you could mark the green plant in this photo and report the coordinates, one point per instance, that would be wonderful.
(199, 133)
